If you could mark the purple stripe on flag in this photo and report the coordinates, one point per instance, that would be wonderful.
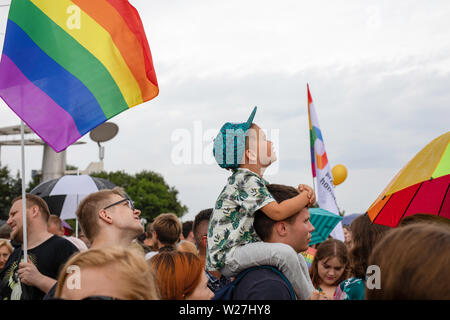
(45, 117)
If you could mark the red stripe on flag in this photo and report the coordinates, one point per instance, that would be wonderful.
(132, 19)
(309, 95)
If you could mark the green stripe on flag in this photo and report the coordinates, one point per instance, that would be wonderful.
(70, 54)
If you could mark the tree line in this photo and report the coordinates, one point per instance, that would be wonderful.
(148, 189)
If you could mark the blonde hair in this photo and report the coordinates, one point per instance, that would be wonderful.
(5, 242)
(130, 265)
(87, 211)
(187, 246)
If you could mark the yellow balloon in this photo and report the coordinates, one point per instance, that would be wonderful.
(339, 173)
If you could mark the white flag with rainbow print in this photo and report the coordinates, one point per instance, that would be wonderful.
(321, 169)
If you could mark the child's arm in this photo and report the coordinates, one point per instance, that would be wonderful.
(280, 211)
(311, 195)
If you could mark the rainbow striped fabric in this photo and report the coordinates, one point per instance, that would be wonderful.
(69, 65)
(309, 256)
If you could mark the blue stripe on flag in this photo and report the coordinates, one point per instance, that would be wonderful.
(60, 85)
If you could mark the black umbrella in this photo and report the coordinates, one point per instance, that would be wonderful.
(64, 194)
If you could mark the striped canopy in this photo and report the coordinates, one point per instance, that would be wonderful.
(421, 186)
(324, 222)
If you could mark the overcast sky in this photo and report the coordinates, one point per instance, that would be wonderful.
(379, 74)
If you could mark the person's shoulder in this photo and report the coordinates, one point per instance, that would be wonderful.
(247, 175)
(350, 289)
(61, 243)
(262, 283)
(150, 255)
(352, 282)
(78, 243)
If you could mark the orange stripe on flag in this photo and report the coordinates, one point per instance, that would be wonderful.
(125, 40)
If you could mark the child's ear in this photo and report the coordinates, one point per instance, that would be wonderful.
(251, 156)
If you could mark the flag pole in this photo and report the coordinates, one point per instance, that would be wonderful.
(314, 185)
(76, 218)
(310, 128)
(24, 212)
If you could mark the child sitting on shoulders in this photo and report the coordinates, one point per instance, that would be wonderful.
(233, 244)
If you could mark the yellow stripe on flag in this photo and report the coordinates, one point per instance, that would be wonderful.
(98, 42)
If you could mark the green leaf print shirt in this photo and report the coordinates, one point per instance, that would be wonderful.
(231, 223)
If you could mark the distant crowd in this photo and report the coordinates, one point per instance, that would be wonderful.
(249, 244)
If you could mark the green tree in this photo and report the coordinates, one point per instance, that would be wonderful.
(150, 193)
(10, 188)
(35, 181)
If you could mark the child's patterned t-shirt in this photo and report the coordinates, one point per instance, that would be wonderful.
(231, 223)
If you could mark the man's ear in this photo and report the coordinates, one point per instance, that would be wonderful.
(34, 211)
(103, 215)
(280, 228)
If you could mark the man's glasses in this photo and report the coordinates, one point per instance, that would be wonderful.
(129, 201)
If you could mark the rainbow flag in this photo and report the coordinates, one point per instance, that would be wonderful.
(321, 168)
(309, 256)
(69, 65)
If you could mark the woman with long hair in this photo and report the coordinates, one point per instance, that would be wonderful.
(365, 235)
(329, 267)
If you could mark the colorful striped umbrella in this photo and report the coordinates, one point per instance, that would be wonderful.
(324, 222)
(69, 65)
(421, 186)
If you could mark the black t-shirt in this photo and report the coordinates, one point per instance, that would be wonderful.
(261, 284)
(48, 257)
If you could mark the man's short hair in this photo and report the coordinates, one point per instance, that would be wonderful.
(168, 228)
(204, 215)
(34, 200)
(187, 228)
(87, 211)
(263, 224)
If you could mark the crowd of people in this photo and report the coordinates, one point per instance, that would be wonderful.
(247, 245)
